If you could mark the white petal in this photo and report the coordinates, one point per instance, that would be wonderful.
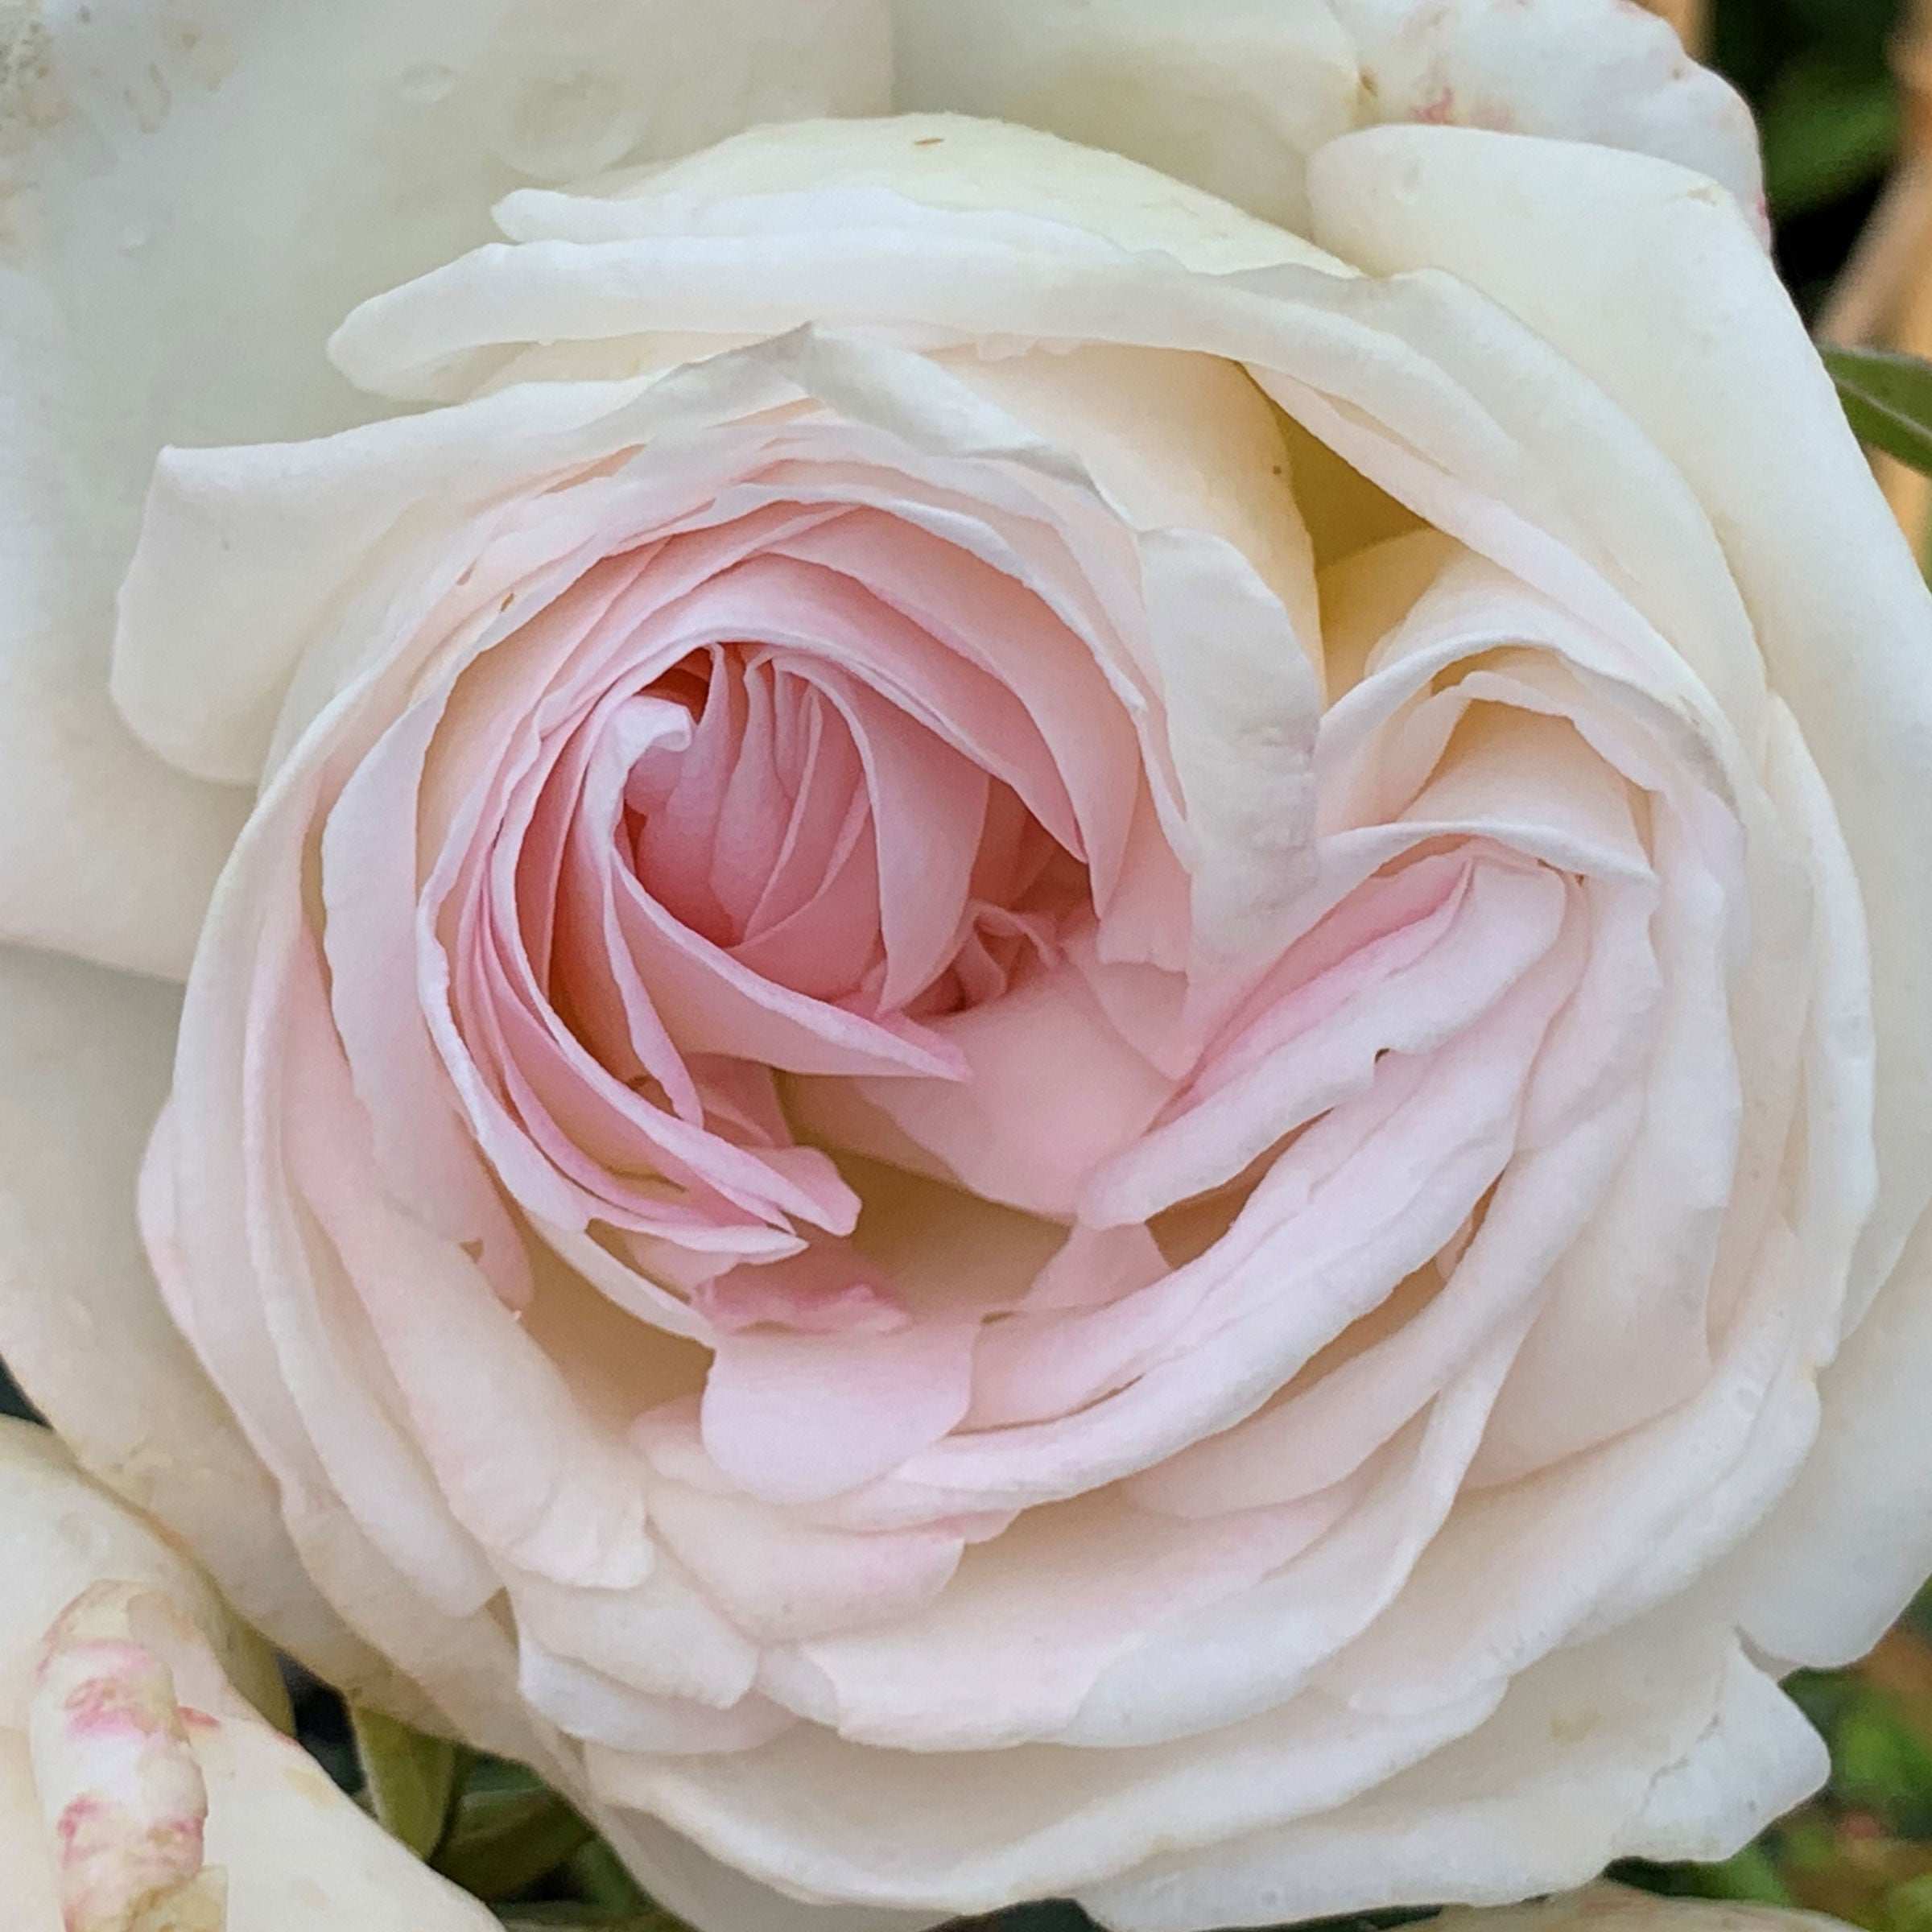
(191, 200)
(1235, 97)
(1585, 71)
(104, 850)
(1231, 97)
(1663, 1741)
(59, 1534)
(26, 1854)
(83, 1063)
(1829, 1570)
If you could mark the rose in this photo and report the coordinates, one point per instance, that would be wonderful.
(1422, 1272)
(139, 1785)
(1612, 1908)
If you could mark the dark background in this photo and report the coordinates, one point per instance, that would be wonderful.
(1817, 72)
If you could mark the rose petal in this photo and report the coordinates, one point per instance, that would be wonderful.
(1237, 100)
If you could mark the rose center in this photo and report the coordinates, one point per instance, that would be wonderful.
(824, 838)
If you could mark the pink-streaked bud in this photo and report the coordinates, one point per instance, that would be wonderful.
(126, 1802)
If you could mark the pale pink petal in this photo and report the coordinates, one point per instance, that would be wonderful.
(796, 1418)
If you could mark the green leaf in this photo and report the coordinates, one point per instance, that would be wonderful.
(596, 1874)
(1908, 1907)
(1887, 396)
(1750, 1877)
(1829, 126)
(410, 1780)
(502, 1841)
(1879, 1763)
(527, 1918)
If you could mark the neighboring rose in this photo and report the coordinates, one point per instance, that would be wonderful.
(140, 1790)
(1611, 1907)
(1042, 1058)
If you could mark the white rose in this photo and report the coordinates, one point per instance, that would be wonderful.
(1417, 1256)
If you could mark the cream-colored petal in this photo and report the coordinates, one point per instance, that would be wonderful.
(26, 1856)
(1596, 72)
(84, 1056)
(104, 850)
(190, 200)
(1235, 97)
(1664, 1741)
(1614, 1908)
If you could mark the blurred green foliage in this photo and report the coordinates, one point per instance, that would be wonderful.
(1818, 73)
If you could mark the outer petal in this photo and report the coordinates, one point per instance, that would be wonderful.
(1236, 97)
(1647, 280)
(180, 188)
(84, 1056)
(1664, 1741)
(59, 1534)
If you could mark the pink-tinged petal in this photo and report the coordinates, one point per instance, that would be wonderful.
(1031, 1620)
(1258, 1649)
(1794, 498)
(830, 948)
(1407, 992)
(793, 1418)
(532, 1476)
(928, 810)
(712, 1004)
(992, 617)
(1049, 1090)
(605, 1711)
(1690, 1479)
(1093, 1267)
(826, 1289)
(1363, 1198)
(782, 1580)
(117, 1776)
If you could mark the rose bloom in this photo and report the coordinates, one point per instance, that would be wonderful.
(140, 1790)
(1057, 1001)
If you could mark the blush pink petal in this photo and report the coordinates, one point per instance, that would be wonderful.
(1049, 1089)
(798, 1418)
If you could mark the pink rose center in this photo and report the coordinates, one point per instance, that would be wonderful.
(759, 811)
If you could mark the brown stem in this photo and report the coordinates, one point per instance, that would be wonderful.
(1690, 17)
